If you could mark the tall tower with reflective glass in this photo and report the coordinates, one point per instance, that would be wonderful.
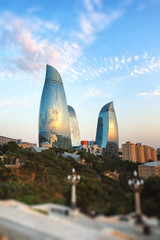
(74, 129)
(107, 131)
(53, 116)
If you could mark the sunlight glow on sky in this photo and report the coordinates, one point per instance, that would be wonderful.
(104, 50)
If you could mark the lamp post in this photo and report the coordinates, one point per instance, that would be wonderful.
(73, 180)
(136, 185)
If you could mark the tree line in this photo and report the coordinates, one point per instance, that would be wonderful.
(42, 177)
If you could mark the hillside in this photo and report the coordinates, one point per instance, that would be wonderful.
(42, 177)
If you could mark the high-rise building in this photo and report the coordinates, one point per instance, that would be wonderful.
(129, 152)
(147, 153)
(74, 129)
(140, 153)
(53, 117)
(107, 131)
(153, 154)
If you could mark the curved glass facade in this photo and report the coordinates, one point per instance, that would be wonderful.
(53, 116)
(107, 131)
(74, 129)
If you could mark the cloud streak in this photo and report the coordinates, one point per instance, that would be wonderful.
(94, 92)
(28, 39)
(154, 93)
(27, 48)
(119, 67)
(30, 52)
(94, 20)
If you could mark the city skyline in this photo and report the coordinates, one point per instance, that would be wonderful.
(104, 50)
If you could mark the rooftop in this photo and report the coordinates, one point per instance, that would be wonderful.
(39, 149)
(45, 143)
(151, 164)
(66, 154)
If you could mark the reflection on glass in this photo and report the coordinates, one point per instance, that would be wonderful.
(107, 131)
(74, 129)
(53, 117)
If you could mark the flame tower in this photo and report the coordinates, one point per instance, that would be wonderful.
(75, 135)
(53, 116)
(107, 131)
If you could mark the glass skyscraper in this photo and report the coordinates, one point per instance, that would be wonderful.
(74, 129)
(107, 131)
(53, 116)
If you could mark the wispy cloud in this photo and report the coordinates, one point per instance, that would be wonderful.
(154, 93)
(34, 9)
(94, 92)
(27, 39)
(27, 47)
(117, 68)
(94, 20)
(90, 4)
(149, 64)
(31, 50)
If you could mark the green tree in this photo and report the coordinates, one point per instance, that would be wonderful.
(10, 146)
(150, 196)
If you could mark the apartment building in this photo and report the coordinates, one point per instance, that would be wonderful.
(138, 153)
(129, 152)
(149, 169)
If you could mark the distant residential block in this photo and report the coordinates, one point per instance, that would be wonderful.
(93, 149)
(149, 169)
(138, 153)
(4, 140)
(25, 144)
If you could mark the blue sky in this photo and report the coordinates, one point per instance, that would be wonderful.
(104, 50)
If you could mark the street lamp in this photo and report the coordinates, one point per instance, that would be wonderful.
(136, 185)
(73, 180)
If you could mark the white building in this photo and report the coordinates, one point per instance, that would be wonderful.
(93, 149)
(149, 169)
